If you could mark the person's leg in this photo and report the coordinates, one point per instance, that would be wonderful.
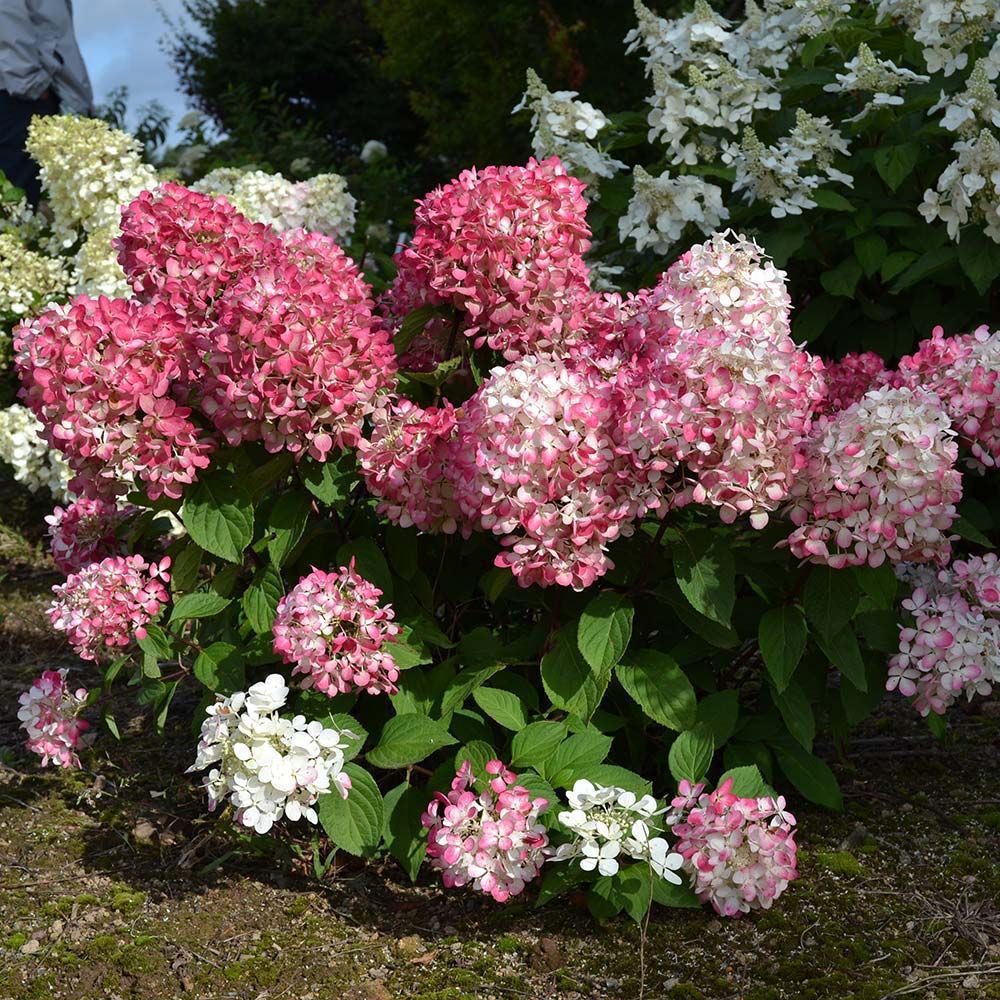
(15, 116)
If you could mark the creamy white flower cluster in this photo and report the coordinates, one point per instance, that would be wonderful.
(23, 448)
(31, 281)
(565, 127)
(968, 188)
(321, 204)
(882, 78)
(609, 823)
(975, 107)
(268, 767)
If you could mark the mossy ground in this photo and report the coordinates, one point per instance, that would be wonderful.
(115, 884)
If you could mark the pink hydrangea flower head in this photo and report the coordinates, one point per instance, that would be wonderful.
(296, 357)
(406, 461)
(107, 378)
(86, 531)
(881, 483)
(964, 372)
(332, 627)
(848, 379)
(103, 606)
(493, 840)
(953, 646)
(545, 467)
(50, 715)
(184, 247)
(506, 245)
(740, 853)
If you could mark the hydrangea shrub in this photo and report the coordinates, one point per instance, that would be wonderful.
(510, 609)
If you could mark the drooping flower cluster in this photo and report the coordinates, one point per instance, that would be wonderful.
(30, 280)
(25, 450)
(493, 840)
(608, 823)
(506, 245)
(881, 483)
(107, 604)
(321, 204)
(50, 716)
(267, 766)
(333, 629)
(964, 372)
(86, 531)
(953, 646)
(740, 853)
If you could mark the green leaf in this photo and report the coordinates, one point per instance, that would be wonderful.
(163, 705)
(620, 777)
(354, 733)
(748, 782)
(329, 481)
(843, 279)
(815, 316)
(198, 605)
(354, 824)
(184, 568)
(218, 515)
(811, 777)
(830, 598)
(895, 163)
(569, 681)
(412, 326)
(979, 257)
(843, 652)
(798, 714)
(260, 599)
(368, 562)
(967, 530)
(536, 743)
(502, 706)
(408, 739)
(879, 584)
(706, 574)
(558, 879)
(465, 683)
(691, 754)
(604, 630)
(870, 250)
(401, 827)
(831, 201)
(156, 642)
(109, 720)
(896, 263)
(926, 265)
(719, 713)
(660, 688)
(287, 524)
(574, 756)
(220, 668)
(401, 548)
(782, 637)
(407, 656)
(678, 896)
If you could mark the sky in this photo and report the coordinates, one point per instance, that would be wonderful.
(121, 42)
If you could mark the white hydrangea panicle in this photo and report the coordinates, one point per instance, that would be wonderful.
(661, 208)
(867, 73)
(975, 107)
(267, 766)
(968, 188)
(30, 281)
(96, 266)
(24, 449)
(608, 823)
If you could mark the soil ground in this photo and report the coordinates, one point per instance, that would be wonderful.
(114, 883)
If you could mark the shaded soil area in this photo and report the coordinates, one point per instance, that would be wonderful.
(115, 883)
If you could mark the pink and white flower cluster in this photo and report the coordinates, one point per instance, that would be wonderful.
(50, 715)
(236, 333)
(740, 853)
(86, 531)
(103, 606)
(953, 646)
(332, 628)
(268, 767)
(493, 839)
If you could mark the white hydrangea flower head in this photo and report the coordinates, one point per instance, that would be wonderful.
(268, 766)
(968, 188)
(31, 280)
(372, 151)
(608, 823)
(97, 269)
(661, 208)
(23, 448)
(974, 107)
(882, 78)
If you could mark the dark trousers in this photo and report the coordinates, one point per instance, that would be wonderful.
(15, 116)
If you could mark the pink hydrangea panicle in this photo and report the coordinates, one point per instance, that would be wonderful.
(739, 853)
(964, 371)
(881, 483)
(332, 627)
(952, 647)
(406, 461)
(108, 379)
(296, 357)
(493, 840)
(50, 716)
(848, 379)
(104, 605)
(544, 465)
(86, 531)
(506, 246)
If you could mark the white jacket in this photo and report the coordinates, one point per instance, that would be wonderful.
(38, 51)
